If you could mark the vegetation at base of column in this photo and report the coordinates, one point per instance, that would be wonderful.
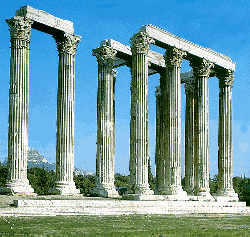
(213, 184)
(122, 183)
(3, 175)
(85, 183)
(41, 180)
(151, 178)
(242, 188)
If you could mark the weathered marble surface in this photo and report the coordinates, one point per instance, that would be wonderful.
(20, 32)
(119, 207)
(205, 63)
(42, 19)
(164, 37)
(105, 156)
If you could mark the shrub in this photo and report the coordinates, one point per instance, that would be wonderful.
(85, 183)
(40, 180)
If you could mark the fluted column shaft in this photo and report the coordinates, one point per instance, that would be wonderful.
(158, 147)
(225, 135)
(20, 31)
(66, 45)
(189, 135)
(139, 145)
(201, 68)
(105, 157)
(171, 120)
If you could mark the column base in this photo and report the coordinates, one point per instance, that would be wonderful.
(104, 190)
(202, 195)
(190, 191)
(140, 197)
(21, 187)
(141, 190)
(228, 195)
(64, 188)
(172, 193)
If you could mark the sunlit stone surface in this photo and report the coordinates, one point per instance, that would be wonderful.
(20, 31)
(205, 63)
(143, 62)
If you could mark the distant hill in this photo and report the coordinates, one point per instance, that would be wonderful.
(35, 159)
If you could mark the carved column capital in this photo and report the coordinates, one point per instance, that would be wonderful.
(140, 43)
(20, 28)
(173, 57)
(189, 85)
(67, 43)
(225, 76)
(201, 67)
(105, 55)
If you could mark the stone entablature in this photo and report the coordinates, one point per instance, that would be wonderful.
(167, 39)
(156, 60)
(124, 54)
(43, 20)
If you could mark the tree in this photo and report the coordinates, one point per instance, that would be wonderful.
(122, 180)
(3, 175)
(122, 183)
(242, 188)
(40, 180)
(85, 183)
(213, 184)
(151, 179)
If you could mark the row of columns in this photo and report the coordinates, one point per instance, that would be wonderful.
(20, 32)
(196, 132)
(168, 125)
(168, 140)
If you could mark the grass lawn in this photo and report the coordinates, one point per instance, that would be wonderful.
(126, 225)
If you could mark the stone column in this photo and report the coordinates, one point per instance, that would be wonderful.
(105, 158)
(64, 185)
(201, 69)
(139, 145)
(225, 138)
(20, 31)
(189, 135)
(171, 119)
(159, 171)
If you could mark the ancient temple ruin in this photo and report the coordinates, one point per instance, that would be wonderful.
(63, 33)
(143, 62)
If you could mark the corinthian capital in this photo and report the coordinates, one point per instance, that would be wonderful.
(201, 67)
(20, 28)
(105, 55)
(225, 76)
(229, 78)
(67, 43)
(140, 43)
(189, 85)
(173, 57)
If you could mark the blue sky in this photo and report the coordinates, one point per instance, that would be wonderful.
(220, 25)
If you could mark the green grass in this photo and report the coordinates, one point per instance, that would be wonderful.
(126, 225)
